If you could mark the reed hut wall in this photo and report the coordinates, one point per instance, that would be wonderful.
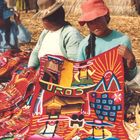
(116, 7)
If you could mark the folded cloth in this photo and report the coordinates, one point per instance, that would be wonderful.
(135, 83)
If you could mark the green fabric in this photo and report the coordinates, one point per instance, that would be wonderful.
(69, 43)
(104, 44)
(7, 138)
(85, 81)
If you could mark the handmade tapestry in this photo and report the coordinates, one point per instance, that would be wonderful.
(11, 62)
(16, 91)
(15, 102)
(79, 100)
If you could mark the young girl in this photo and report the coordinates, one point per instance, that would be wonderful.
(102, 38)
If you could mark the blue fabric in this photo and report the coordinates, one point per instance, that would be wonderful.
(7, 13)
(18, 34)
(1, 4)
(4, 11)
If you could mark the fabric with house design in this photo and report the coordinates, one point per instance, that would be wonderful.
(79, 100)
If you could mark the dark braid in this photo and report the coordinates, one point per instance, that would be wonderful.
(1, 13)
(90, 49)
(7, 31)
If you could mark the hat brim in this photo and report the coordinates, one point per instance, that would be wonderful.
(7, 13)
(92, 15)
(44, 13)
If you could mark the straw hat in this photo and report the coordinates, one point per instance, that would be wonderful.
(47, 7)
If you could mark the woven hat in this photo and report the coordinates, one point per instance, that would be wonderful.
(47, 7)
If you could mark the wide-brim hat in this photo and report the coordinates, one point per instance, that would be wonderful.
(92, 9)
(47, 7)
(98, 123)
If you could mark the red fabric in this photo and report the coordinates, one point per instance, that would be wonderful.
(14, 110)
(100, 96)
(92, 9)
(11, 62)
(93, 100)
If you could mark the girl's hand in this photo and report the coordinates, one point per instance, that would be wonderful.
(128, 56)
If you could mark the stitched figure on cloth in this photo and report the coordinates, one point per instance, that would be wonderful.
(90, 110)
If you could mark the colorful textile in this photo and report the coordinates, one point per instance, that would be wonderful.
(15, 104)
(79, 100)
(11, 62)
(18, 34)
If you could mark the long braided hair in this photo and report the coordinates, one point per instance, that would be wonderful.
(7, 31)
(90, 49)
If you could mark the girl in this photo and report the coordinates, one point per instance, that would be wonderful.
(102, 38)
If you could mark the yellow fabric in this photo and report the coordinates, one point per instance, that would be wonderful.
(67, 74)
(83, 74)
(20, 4)
(99, 133)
